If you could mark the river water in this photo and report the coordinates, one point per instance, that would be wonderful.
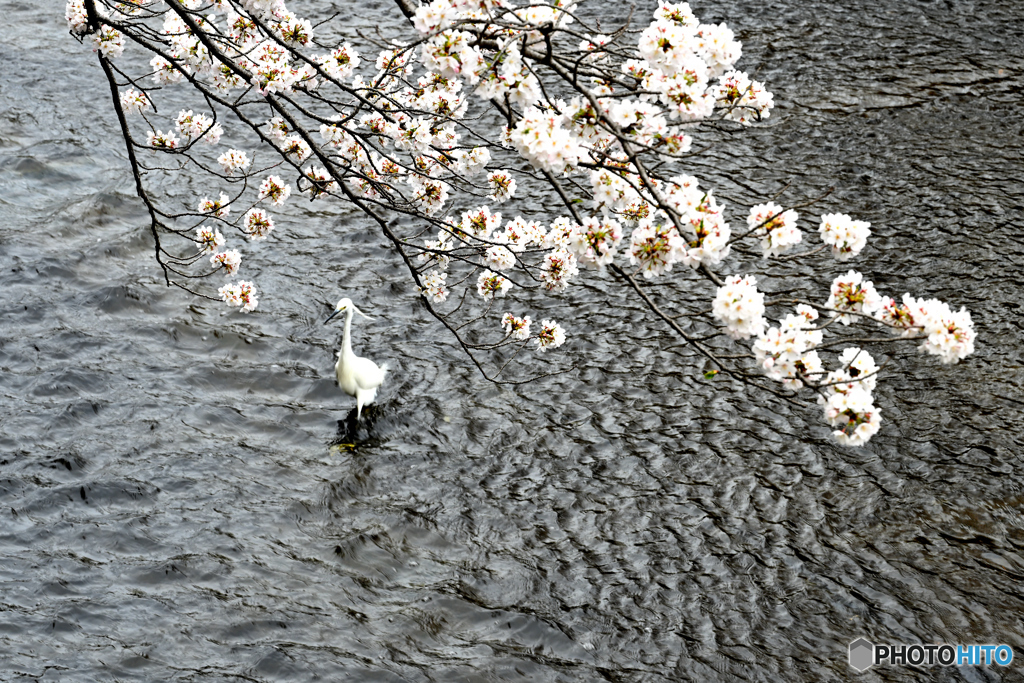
(180, 500)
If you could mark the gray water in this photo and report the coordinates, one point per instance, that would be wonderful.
(180, 500)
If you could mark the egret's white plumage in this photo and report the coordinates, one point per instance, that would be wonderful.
(359, 377)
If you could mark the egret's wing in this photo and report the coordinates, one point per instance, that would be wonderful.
(367, 374)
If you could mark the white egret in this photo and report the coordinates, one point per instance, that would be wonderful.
(359, 377)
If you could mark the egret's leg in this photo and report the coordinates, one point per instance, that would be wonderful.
(359, 404)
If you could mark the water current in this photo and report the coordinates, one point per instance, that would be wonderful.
(178, 498)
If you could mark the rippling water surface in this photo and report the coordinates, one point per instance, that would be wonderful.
(177, 504)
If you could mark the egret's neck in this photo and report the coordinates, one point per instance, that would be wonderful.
(346, 343)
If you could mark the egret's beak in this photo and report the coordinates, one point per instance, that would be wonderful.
(331, 316)
(362, 314)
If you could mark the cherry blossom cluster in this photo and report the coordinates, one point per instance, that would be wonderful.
(193, 126)
(645, 124)
(257, 224)
(479, 222)
(109, 41)
(740, 307)
(947, 334)
(655, 247)
(596, 241)
(274, 189)
(434, 286)
(433, 254)
(340, 63)
(851, 293)
(775, 226)
(135, 102)
(209, 239)
(558, 268)
(296, 148)
(505, 76)
(551, 335)
(785, 352)
(848, 403)
(858, 370)
(490, 285)
(160, 140)
(700, 226)
(503, 186)
(520, 234)
(76, 16)
(218, 208)
(241, 294)
(319, 183)
(846, 236)
(703, 225)
(228, 259)
(744, 100)
(543, 140)
(233, 160)
(516, 327)
(853, 416)
(499, 257)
